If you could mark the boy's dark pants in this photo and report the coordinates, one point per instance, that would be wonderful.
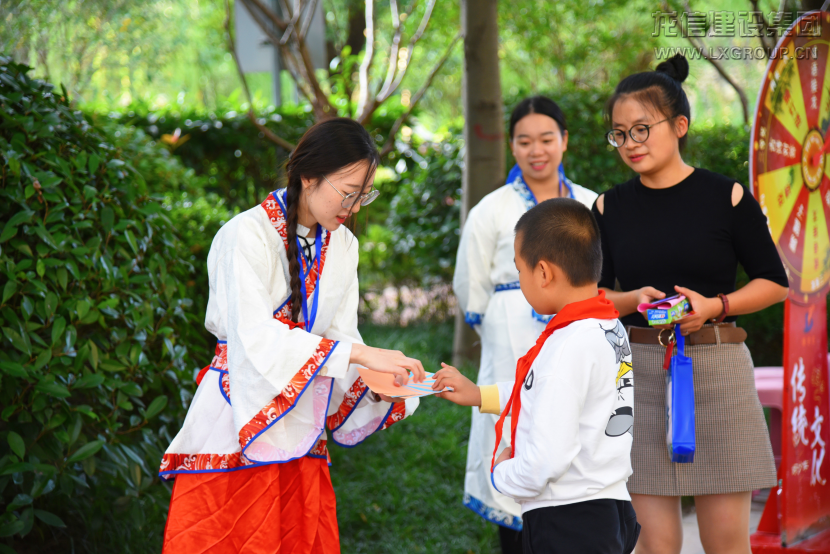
(593, 527)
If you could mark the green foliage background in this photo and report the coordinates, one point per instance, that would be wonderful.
(106, 227)
(99, 326)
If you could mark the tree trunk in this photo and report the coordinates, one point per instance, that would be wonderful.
(483, 130)
(357, 25)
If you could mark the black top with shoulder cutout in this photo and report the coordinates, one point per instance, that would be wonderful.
(688, 235)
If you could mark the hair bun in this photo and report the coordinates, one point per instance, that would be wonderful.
(676, 67)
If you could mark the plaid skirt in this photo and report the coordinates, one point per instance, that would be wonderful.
(733, 451)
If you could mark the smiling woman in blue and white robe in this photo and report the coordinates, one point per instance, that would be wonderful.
(486, 283)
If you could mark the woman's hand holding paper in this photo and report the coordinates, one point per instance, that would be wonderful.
(388, 361)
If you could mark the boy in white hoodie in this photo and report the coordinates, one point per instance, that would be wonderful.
(571, 402)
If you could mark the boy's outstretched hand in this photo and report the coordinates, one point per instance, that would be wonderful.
(464, 392)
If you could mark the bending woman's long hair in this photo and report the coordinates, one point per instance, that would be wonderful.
(325, 148)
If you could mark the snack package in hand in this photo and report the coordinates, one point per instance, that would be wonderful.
(665, 311)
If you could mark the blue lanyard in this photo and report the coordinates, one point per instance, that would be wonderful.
(318, 246)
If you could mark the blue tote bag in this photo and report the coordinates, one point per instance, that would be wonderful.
(680, 405)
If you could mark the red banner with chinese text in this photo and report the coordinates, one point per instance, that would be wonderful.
(805, 471)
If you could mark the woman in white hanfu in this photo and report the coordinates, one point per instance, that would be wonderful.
(486, 283)
(250, 462)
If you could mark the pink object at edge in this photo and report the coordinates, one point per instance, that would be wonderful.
(661, 304)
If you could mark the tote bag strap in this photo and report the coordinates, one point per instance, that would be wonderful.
(681, 341)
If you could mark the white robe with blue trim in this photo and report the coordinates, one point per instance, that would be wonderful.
(262, 359)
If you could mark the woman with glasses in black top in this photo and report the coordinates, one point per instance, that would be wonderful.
(676, 229)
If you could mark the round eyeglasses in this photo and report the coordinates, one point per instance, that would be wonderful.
(638, 133)
(350, 199)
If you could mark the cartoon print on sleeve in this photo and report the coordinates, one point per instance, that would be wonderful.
(622, 418)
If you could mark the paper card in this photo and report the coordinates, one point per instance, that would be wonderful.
(384, 383)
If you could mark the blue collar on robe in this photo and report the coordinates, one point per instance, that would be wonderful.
(516, 180)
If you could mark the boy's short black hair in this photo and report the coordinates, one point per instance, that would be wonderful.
(563, 232)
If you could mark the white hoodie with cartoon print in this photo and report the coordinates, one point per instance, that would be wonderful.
(575, 430)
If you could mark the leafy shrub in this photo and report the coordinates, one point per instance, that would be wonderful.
(97, 330)
(420, 209)
(240, 165)
(187, 200)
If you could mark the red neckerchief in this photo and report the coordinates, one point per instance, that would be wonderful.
(597, 307)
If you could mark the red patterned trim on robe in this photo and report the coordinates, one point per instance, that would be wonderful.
(277, 219)
(220, 357)
(225, 380)
(319, 449)
(398, 413)
(277, 407)
(217, 462)
(175, 463)
(350, 400)
(202, 462)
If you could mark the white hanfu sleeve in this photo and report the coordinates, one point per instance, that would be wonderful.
(353, 413)
(272, 367)
(471, 283)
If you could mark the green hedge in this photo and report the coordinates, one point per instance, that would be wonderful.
(239, 164)
(100, 325)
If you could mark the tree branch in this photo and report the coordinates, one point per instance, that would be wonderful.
(267, 12)
(288, 57)
(699, 46)
(412, 42)
(366, 64)
(295, 17)
(319, 100)
(308, 19)
(393, 51)
(401, 71)
(767, 42)
(390, 140)
(270, 135)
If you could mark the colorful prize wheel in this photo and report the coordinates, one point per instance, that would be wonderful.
(790, 154)
(790, 174)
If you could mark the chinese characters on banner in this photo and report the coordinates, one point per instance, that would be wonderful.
(805, 506)
(790, 175)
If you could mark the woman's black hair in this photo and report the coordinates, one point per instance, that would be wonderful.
(325, 148)
(660, 89)
(541, 105)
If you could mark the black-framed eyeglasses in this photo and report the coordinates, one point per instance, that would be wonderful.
(350, 199)
(638, 133)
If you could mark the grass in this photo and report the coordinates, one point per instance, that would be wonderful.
(401, 490)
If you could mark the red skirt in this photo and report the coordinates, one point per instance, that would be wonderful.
(275, 509)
